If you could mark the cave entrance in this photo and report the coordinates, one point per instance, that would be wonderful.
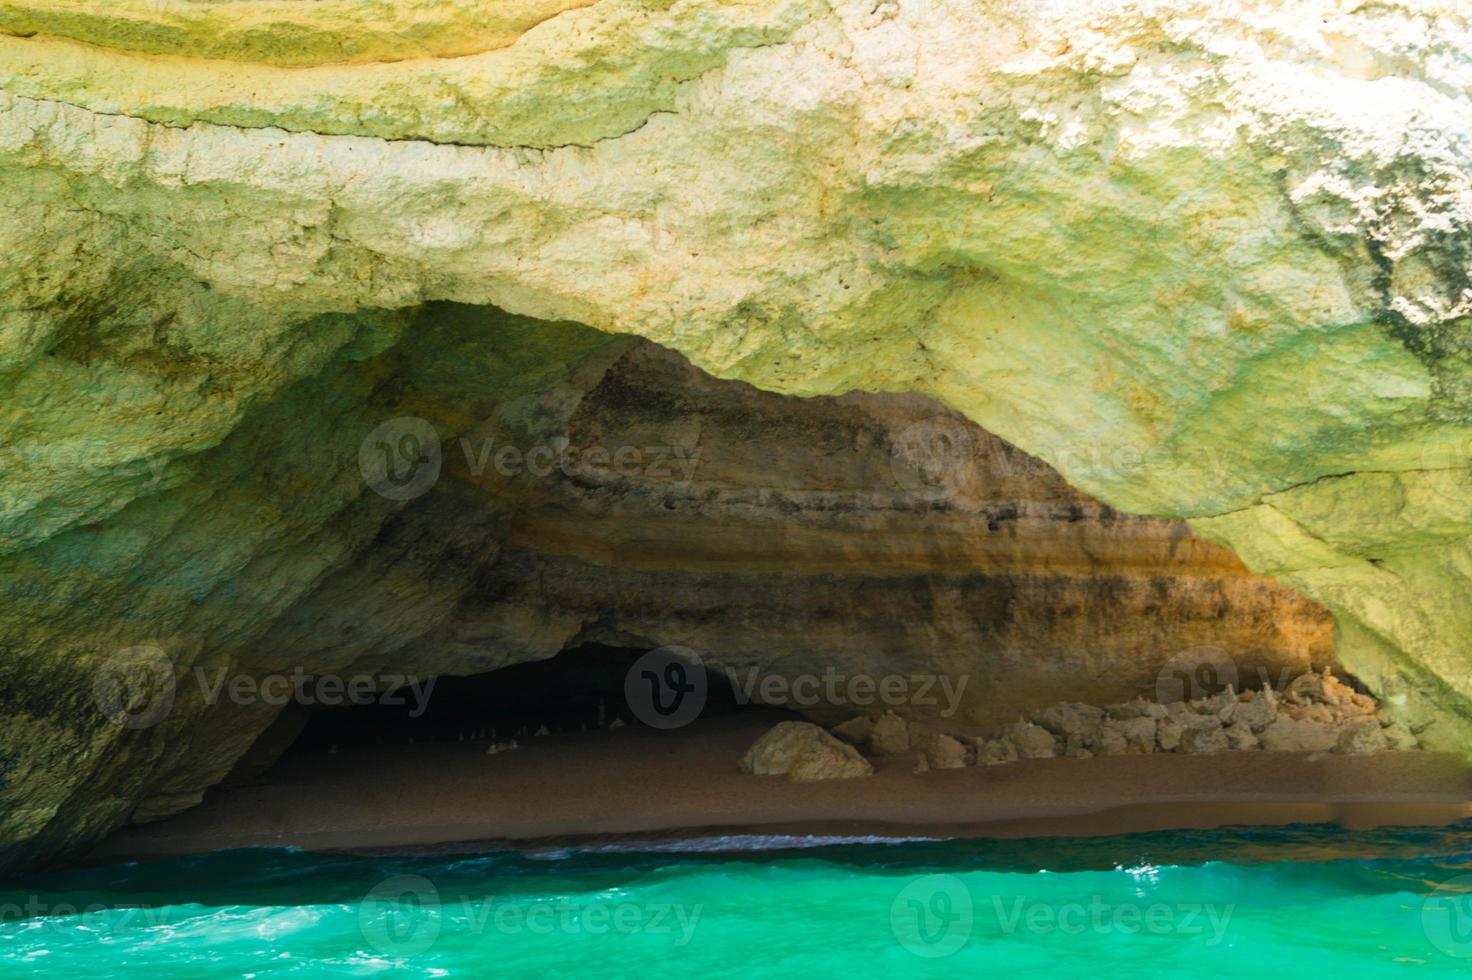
(581, 689)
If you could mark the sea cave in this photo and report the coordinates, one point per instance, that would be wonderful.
(735, 489)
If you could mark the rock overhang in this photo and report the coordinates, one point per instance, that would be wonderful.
(1208, 260)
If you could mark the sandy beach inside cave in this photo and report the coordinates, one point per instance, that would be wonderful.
(643, 782)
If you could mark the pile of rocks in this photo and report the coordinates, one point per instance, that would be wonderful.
(1314, 713)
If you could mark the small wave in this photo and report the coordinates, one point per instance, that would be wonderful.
(724, 843)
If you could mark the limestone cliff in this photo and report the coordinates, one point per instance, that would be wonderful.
(1208, 260)
(586, 488)
(790, 537)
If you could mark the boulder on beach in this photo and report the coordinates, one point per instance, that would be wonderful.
(995, 752)
(890, 736)
(856, 731)
(1137, 708)
(1289, 734)
(1138, 733)
(1168, 733)
(1240, 737)
(1256, 710)
(1070, 718)
(945, 752)
(1204, 740)
(1031, 741)
(1361, 737)
(1110, 741)
(803, 752)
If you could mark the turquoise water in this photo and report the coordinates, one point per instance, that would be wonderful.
(1246, 903)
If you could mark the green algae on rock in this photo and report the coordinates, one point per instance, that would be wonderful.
(1207, 260)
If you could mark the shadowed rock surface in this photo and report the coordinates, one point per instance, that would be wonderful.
(1208, 260)
(865, 536)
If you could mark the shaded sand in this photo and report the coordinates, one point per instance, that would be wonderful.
(641, 782)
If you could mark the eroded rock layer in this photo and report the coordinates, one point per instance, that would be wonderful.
(584, 488)
(1208, 260)
(868, 534)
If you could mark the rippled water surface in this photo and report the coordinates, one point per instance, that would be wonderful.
(1247, 903)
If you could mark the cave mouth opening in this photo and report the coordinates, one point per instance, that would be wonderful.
(579, 690)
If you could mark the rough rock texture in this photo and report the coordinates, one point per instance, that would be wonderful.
(1030, 741)
(803, 752)
(1204, 739)
(945, 752)
(1287, 734)
(1316, 712)
(943, 749)
(890, 735)
(1207, 259)
(1255, 712)
(1362, 736)
(796, 537)
(995, 752)
(1067, 719)
(1241, 737)
(856, 731)
(775, 535)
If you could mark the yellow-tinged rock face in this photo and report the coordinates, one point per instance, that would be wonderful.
(1208, 259)
(285, 32)
(595, 72)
